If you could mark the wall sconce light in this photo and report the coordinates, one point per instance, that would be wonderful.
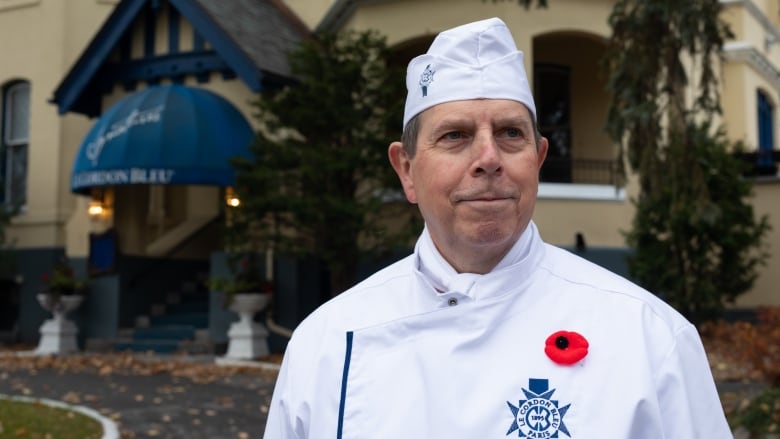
(95, 208)
(231, 198)
(99, 207)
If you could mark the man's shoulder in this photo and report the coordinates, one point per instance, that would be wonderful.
(607, 285)
(575, 268)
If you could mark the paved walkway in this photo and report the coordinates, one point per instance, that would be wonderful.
(171, 396)
(160, 397)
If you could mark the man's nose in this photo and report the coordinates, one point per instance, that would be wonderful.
(487, 156)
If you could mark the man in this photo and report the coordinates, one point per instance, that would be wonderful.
(486, 331)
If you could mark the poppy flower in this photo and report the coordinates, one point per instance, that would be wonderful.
(566, 347)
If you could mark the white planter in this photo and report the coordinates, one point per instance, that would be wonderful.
(247, 340)
(58, 334)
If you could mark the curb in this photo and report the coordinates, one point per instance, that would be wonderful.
(110, 430)
(263, 365)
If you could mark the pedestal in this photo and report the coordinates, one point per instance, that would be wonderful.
(247, 340)
(58, 334)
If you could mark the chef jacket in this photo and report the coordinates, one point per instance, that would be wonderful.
(419, 351)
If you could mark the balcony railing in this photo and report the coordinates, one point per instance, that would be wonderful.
(582, 171)
(761, 163)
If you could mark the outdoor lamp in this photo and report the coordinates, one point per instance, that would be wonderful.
(231, 199)
(99, 206)
(95, 208)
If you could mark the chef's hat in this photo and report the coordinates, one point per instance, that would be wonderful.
(472, 61)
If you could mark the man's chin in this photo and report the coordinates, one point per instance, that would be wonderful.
(485, 236)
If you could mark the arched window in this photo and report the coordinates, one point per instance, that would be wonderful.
(766, 133)
(15, 140)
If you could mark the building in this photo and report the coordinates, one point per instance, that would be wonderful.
(74, 73)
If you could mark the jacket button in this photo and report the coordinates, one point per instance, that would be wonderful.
(452, 302)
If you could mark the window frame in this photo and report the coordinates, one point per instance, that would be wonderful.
(12, 146)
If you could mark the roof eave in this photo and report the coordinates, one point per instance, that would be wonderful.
(337, 15)
(67, 94)
(231, 53)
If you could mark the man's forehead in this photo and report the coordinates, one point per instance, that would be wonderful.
(471, 110)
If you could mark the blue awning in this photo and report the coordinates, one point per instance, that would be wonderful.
(169, 134)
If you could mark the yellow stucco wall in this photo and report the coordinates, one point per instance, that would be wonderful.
(41, 39)
(310, 11)
(766, 290)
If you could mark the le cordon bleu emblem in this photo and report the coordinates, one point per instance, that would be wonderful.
(426, 78)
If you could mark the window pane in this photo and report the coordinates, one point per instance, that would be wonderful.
(16, 185)
(17, 106)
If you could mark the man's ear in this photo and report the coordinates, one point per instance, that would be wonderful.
(542, 153)
(402, 164)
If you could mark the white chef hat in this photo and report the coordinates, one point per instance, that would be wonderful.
(472, 61)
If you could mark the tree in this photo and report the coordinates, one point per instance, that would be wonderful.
(696, 238)
(320, 180)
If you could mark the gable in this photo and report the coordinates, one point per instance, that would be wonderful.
(151, 41)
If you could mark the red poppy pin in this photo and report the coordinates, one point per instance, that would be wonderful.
(566, 347)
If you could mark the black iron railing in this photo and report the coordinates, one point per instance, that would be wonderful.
(761, 163)
(582, 171)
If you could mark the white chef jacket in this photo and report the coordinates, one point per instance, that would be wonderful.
(393, 357)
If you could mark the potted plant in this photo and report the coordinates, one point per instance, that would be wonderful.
(62, 292)
(245, 293)
(61, 285)
(244, 279)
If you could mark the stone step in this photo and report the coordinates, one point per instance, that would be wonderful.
(198, 320)
(165, 332)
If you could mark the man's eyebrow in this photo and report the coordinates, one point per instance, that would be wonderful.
(514, 121)
(452, 124)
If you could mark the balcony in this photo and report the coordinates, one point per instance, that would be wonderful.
(761, 163)
(581, 171)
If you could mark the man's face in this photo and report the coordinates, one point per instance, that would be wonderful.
(474, 176)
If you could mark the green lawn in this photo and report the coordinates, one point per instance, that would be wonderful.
(38, 421)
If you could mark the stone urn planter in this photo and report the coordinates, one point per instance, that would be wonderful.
(247, 339)
(58, 334)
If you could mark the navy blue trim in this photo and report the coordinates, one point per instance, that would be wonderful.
(342, 403)
(150, 31)
(226, 47)
(197, 63)
(198, 43)
(70, 95)
(174, 19)
(80, 90)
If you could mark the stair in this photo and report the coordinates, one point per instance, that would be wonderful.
(179, 325)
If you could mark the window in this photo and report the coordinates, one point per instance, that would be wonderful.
(766, 136)
(15, 136)
(551, 89)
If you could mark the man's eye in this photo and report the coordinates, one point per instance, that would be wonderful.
(513, 132)
(453, 135)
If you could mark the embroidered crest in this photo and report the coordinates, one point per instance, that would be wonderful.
(538, 416)
(426, 78)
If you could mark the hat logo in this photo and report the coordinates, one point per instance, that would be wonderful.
(426, 78)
